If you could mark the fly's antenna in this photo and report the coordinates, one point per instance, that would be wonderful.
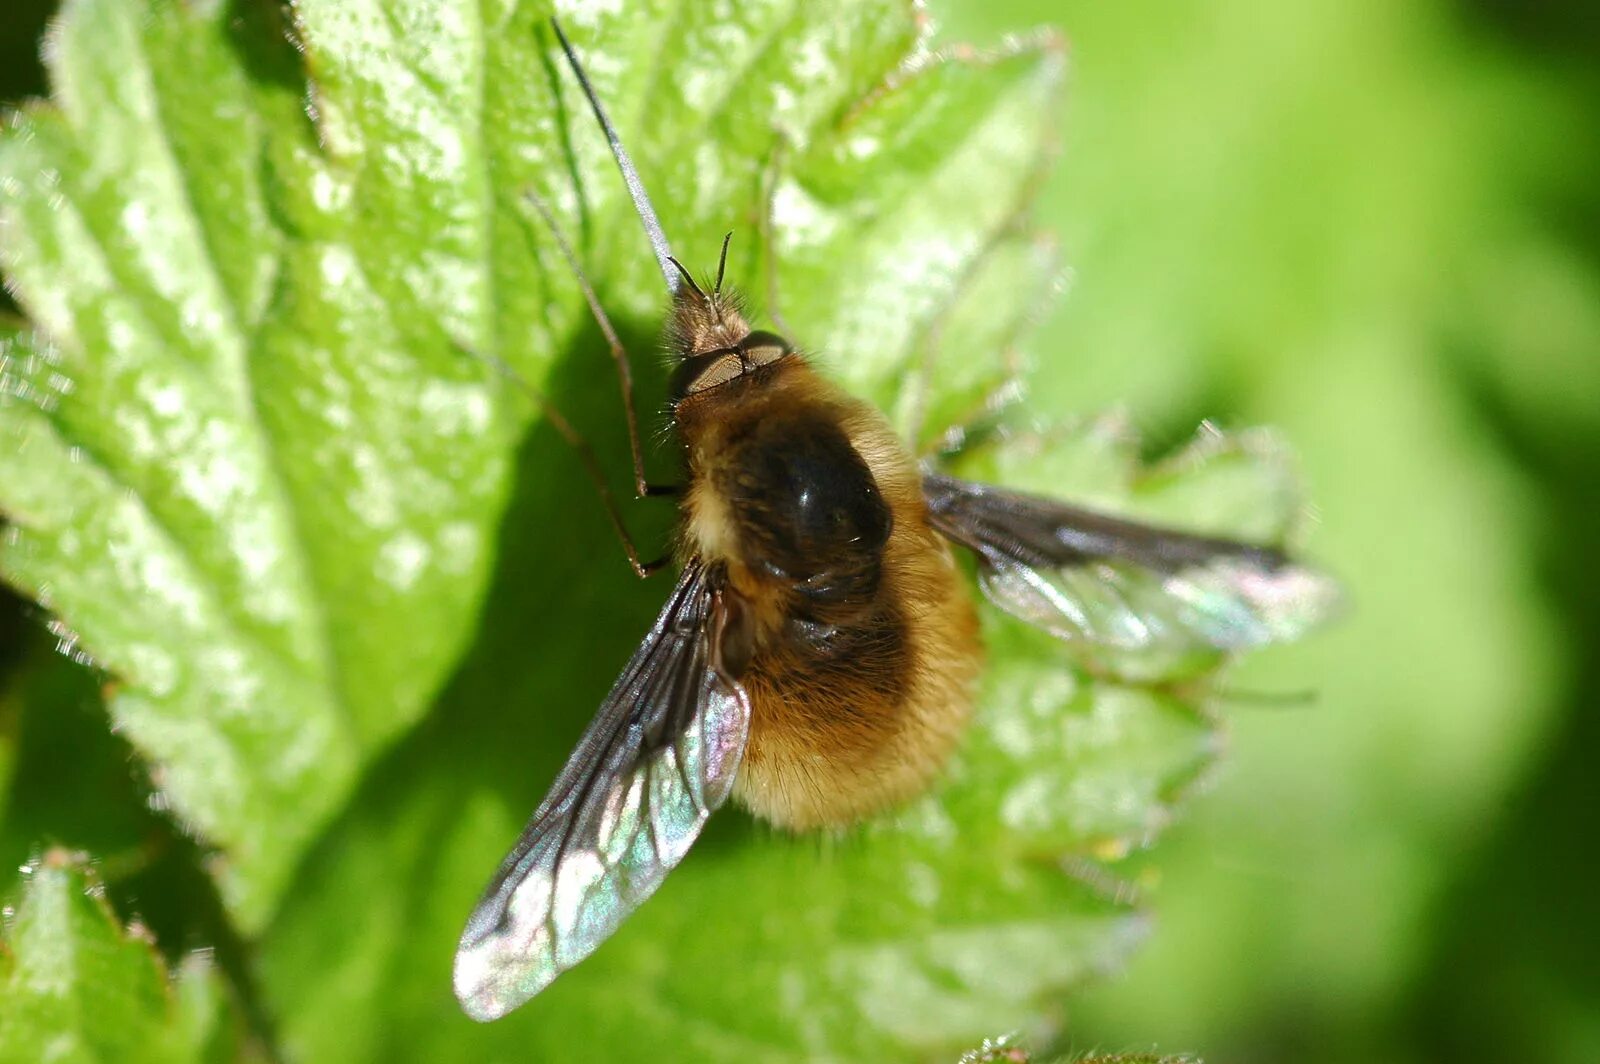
(722, 264)
(686, 276)
(630, 176)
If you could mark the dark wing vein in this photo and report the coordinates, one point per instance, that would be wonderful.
(1086, 575)
(620, 815)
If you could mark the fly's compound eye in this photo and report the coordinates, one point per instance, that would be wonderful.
(697, 373)
(701, 372)
(763, 348)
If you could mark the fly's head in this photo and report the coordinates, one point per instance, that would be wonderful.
(711, 338)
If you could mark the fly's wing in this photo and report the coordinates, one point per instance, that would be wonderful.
(1082, 575)
(660, 755)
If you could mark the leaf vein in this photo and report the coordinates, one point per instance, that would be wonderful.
(251, 419)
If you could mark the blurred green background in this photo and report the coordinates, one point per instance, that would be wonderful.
(1375, 225)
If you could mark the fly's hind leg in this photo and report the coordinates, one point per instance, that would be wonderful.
(619, 354)
(586, 456)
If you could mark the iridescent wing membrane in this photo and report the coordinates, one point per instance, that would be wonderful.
(658, 758)
(1083, 575)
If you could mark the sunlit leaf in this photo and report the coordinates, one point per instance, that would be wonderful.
(76, 986)
(266, 484)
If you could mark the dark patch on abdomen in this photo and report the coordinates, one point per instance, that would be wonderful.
(845, 688)
(873, 651)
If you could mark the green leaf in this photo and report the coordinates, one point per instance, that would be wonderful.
(73, 785)
(11, 706)
(971, 911)
(882, 222)
(1133, 1058)
(1305, 214)
(149, 508)
(78, 987)
(268, 486)
(255, 452)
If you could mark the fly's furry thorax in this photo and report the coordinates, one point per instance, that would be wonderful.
(712, 425)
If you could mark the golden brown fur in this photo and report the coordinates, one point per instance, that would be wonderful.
(833, 736)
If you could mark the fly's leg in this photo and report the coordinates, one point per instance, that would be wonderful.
(586, 456)
(619, 354)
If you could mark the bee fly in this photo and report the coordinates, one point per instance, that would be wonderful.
(817, 658)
